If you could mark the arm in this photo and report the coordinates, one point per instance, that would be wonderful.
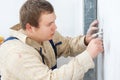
(27, 65)
(69, 46)
(30, 67)
(74, 46)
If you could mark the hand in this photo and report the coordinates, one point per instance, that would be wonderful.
(95, 47)
(91, 33)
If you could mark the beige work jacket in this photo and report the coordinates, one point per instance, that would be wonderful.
(20, 58)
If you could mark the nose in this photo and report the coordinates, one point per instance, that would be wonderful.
(54, 27)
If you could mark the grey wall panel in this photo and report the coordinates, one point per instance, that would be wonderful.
(90, 14)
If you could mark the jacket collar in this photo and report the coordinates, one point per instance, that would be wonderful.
(18, 32)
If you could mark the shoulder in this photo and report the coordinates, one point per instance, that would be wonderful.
(16, 46)
(58, 37)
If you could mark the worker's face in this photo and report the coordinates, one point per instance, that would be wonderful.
(47, 27)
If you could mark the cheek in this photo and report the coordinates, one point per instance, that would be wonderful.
(45, 32)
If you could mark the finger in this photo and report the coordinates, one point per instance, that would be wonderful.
(100, 41)
(94, 23)
(100, 35)
(93, 30)
(94, 36)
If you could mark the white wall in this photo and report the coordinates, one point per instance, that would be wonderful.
(109, 18)
(9, 14)
(69, 16)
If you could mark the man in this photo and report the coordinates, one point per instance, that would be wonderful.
(31, 51)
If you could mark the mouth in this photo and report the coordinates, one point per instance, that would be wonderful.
(53, 33)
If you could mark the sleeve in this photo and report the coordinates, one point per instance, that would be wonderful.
(75, 69)
(29, 67)
(70, 46)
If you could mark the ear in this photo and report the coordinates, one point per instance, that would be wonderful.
(28, 27)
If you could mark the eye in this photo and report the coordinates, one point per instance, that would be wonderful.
(50, 24)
